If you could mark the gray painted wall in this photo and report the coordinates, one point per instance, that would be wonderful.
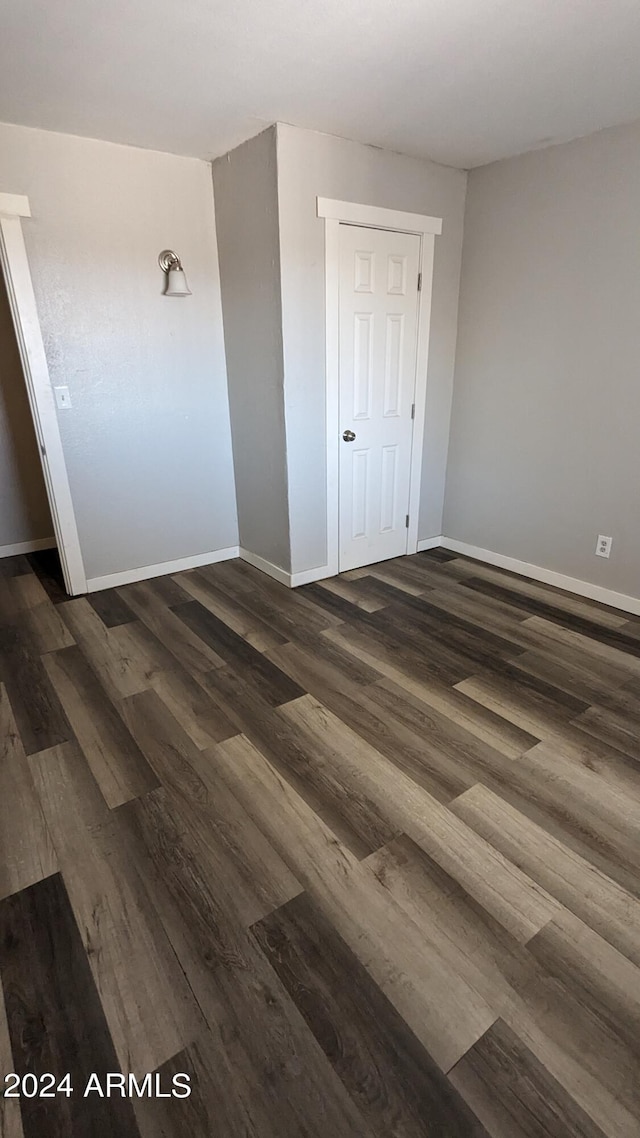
(246, 195)
(311, 164)
(544, 437)
(147, 440)
(24, 509)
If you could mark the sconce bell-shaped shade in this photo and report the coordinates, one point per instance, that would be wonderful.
(177, 283)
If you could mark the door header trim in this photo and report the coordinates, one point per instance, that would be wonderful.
(376, 216)
(14, 205)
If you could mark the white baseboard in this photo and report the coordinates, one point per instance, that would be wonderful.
(275, 571)
(547, 576)
(291, 580)
(308, 576)
(27, 546)
(128, 576)
(321, 572)
(429, 543)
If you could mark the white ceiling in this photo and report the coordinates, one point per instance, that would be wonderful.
(460, 81)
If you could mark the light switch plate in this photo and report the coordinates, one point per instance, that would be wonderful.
(63, 398)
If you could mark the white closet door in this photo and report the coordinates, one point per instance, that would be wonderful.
(378, 342)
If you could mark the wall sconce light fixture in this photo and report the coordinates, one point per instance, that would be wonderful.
(176, 280)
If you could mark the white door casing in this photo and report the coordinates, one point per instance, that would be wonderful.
(378, 328)
(333, 212)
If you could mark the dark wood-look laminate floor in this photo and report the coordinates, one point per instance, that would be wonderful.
(361, 859)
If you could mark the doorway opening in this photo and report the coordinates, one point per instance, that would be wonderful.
(48, 470)
(26, 525)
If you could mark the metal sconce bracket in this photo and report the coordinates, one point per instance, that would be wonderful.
(169, 260)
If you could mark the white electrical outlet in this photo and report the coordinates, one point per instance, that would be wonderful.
(63, 398)
(603, 547)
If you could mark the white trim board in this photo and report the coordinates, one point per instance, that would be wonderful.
(354, 213)
(14, 205)
(546, 576)
(308, 576)
(27, 546)
(129, 576)
(291, 580)
(336, 213)
(501, 561)
(429, 543)
(321, 572)
(275, 571)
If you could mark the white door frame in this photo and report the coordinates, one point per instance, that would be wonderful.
(427, 228)
(22, 302)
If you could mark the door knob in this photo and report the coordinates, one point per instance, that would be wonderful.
(348, 436)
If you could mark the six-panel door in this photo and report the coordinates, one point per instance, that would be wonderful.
(378, 323)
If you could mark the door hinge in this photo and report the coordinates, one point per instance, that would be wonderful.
(406, 522)
(44, 453)
(419, 282)
(413, 410)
